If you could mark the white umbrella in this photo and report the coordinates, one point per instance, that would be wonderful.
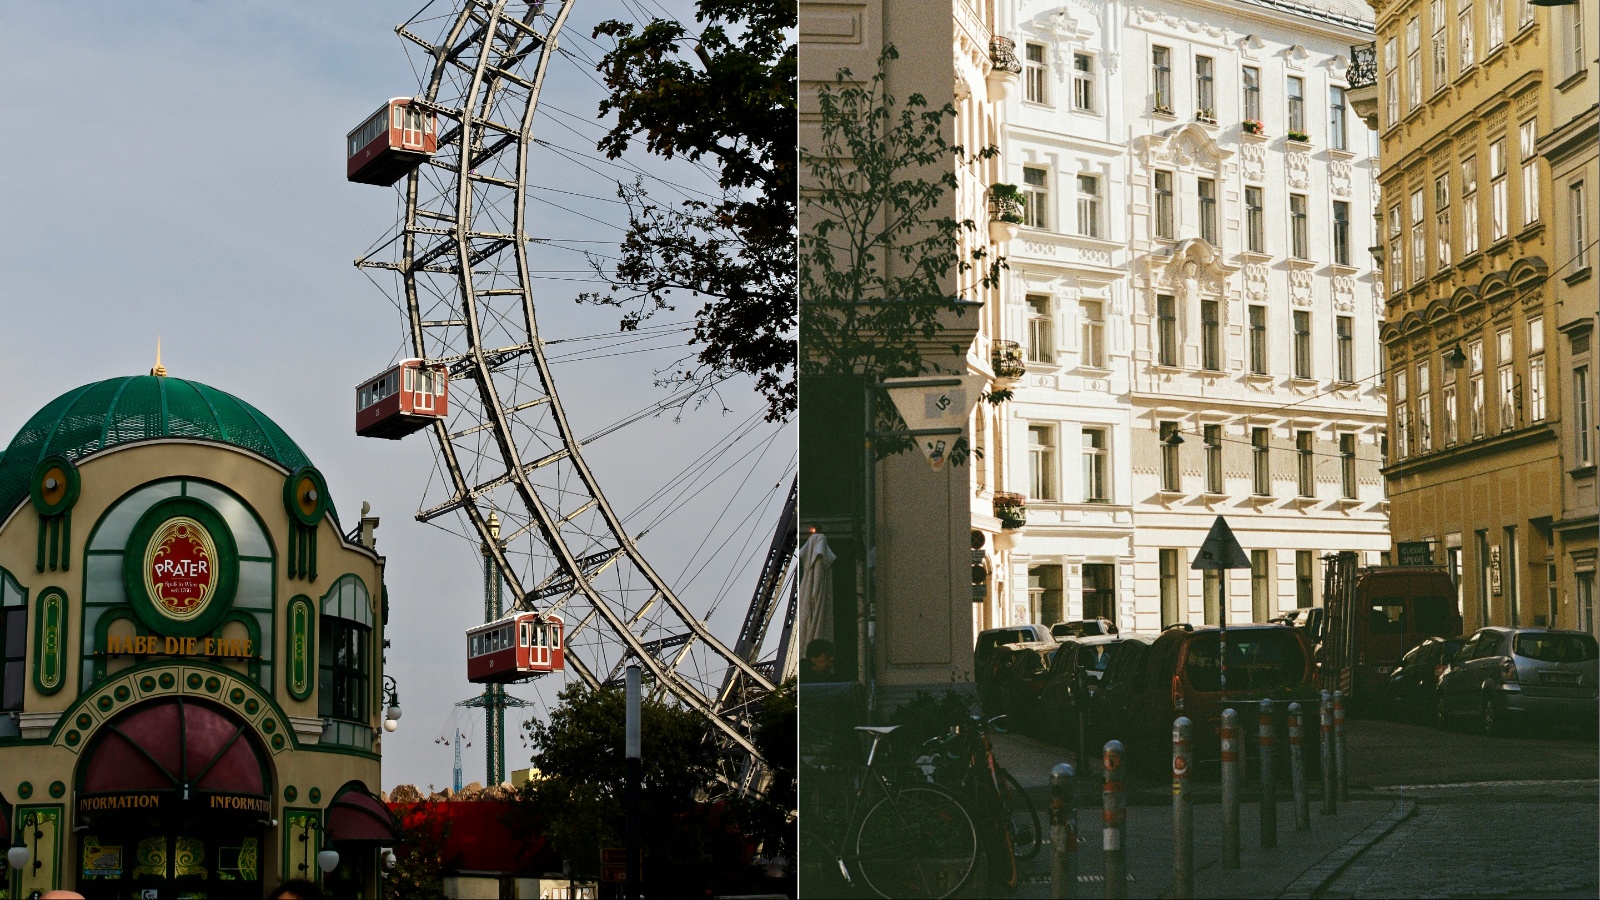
(816, 589)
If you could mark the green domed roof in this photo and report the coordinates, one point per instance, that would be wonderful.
(137, 408)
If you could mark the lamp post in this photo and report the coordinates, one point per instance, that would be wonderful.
(327, 858)
(391, 693)
(634, 770)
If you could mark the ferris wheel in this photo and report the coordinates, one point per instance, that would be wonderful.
(479, 378)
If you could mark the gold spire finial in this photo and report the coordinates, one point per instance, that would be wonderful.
(159, 371)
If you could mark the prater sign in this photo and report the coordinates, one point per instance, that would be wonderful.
(180, 568)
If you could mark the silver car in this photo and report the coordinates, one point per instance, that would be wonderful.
(1502, 674)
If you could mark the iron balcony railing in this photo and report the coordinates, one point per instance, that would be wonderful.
(1363, 65)
(1003, 55)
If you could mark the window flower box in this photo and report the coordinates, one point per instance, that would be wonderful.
(1010, 509)
(1007, 360)
(1251, 126)
(1299, 136)
(1005, 212)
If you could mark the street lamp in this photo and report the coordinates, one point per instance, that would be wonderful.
(391, 719)
(1455, 359)
(327, 857)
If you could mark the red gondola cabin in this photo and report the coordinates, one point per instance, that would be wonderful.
(402, 400)
(520, 646)
(390, 143)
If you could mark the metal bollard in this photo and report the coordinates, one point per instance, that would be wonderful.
(1116, 817)
(1343, 788)
(1063, 832)
(1330, 803)
(1269, 787)
(1297, 768)
(1182, 812)
(1230, 789)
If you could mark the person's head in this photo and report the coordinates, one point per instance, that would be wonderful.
(820, 652)
(296, 889)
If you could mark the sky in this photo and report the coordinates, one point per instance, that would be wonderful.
(175, 171)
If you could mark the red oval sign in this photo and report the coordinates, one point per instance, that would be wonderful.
(180, 568)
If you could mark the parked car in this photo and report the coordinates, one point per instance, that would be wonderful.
(1504, 675)
(1018, 676)
(1182, 676)
(1076, 669)
(1414, 684)
(989, 639)
(1118, 685)
(1082, 628)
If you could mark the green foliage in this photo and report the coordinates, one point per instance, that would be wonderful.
(726, 97)
(419, 857)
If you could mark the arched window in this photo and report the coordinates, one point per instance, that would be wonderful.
(344, 651)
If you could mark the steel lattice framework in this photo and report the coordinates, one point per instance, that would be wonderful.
(459, 263)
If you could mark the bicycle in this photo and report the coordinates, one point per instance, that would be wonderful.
(963, 761)
(915, 841)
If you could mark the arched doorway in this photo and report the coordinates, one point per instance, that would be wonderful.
(174, 802)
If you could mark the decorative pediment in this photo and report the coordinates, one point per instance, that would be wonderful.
(1183, 145)
(1176, 23)
(1194, 266)
(1527, 273)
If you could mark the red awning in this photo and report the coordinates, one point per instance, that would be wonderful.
(356, 815)
(166, 744)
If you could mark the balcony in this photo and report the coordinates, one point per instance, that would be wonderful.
(1010, 509)
(1008, 361)
(1005, 212)
(1006, 69)
(1363, 78)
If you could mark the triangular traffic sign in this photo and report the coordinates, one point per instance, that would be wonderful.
(937, 404)
(1221, 549)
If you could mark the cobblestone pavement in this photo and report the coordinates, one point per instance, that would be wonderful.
(1485, 840)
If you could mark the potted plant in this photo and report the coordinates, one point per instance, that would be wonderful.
(1005, 212)
(1010, 509)
(1206, 115)
(1251, 126)
(1163, 110)
(1299, 136)
(1008, 361)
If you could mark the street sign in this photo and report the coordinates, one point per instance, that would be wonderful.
(1220, 550)
(1415, 553)
(935, 410)
(613, 856)
(614, 873)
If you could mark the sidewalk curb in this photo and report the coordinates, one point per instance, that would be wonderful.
(1317, 878)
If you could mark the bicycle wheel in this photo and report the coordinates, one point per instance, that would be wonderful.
(916, 842)
(1022, 815)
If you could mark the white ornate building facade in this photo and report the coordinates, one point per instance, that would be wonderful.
(1192, 299)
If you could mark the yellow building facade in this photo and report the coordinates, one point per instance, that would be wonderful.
(1480, 295)
(191, 686)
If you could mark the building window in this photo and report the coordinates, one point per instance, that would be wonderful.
(1394, 263)
(1306, 464)
(1035, 197)
(1044, 594)
(1424, 407)
(1441, 74)
(1252, 93)
(1475, 387)
(1302, 343)
(1341, 232)
(1095, 489)
(1583, 588)
(1163, 182)
(1166, 330)
(1207, 192)
(1577, 231)
(1258, 340)
(1304, 563)
(1297, 226)
(1213, 437)
(1469, 206)
(1041, 462)
(1338, 137)
(1261, 482)
(1296, 93)
(1413, 64)
(1529, 136)
(1344, 330)
(1464, 40)
(1507, 373)
(1161, 78)
(1260, 585)
(1171, 613)
(1498, 191)
(1575, 60)
(1035, 75)
(1582, 421)
(1347, 465)
(1089, 205)
(1041, 337)
(1204, 95)
(1093, 351)
(1171, 477)
(1536, 398)
(1447, 397)
(13, 655)
(1497, 24)
(1402, 417)
(1524, 19)
(1083, 82)
(1441, 220)
(1391, 82)
(342, 671)
(1419, 244)
(1210, 336)
(1254, 220)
